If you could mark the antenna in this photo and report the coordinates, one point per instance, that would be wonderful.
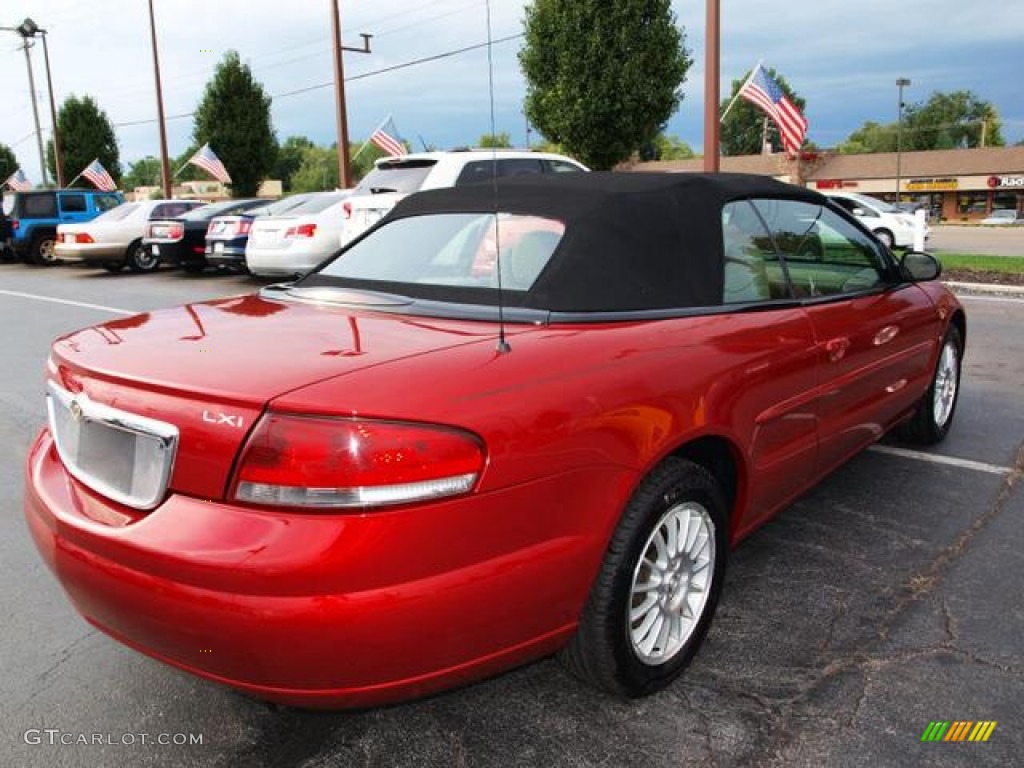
(503, 345)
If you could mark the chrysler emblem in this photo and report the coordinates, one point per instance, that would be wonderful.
(76, 411)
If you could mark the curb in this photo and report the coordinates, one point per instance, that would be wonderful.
(986, 289)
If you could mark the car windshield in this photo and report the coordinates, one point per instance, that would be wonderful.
(207, 212)
(317, 204)
(405, 177)
(879, 205)
(451, 249)
(283, 205)
(122, 211)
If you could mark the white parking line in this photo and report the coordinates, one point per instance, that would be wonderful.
(934, 458)
(53, 300)
(1015, 299)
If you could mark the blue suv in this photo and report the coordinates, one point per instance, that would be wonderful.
(34, 217)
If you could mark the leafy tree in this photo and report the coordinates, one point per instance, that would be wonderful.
(233, 117)
(602, 78)
(8, 162)
(289, 158)
(317, 171)
(183, 170)
(948, 120)
(86, 134)
(495, 141)
(870, 137)
(143, 173)
(666, 148)
(743, 127)
(361, 161)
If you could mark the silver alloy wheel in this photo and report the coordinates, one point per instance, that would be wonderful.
(143, 259)
(48, 251)
(671, 582)
(946, 383)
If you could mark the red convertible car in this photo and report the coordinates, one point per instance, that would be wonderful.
(507, 421)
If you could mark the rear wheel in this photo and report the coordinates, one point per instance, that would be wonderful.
(934, 415)
(43, 249)
(141, 259)
(656, 592)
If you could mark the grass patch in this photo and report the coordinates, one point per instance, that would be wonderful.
(977, 262)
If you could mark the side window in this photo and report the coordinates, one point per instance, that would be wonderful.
(750, 267)
(560, 166)
(42, 206)
(517, 166)
(475, 171)
(824, 254)
(72, 203)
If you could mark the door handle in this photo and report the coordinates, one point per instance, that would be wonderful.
(836, 348)
(886, 335)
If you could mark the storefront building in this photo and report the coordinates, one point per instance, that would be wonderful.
(955, 184)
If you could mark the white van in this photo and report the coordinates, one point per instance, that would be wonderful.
(895, 228)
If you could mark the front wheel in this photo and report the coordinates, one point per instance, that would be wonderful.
(656, 592)
(141, 259)
(934, 414)
(886, 237)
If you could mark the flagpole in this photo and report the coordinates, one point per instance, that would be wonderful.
(745, 84)
(72, 182)
(365, 143)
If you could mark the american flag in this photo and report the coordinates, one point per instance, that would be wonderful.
(762, 91)
(18, 181)
(386, 137)
(97, 174)
(209, 162)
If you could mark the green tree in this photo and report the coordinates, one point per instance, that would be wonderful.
(143, 173)
(8, 162)
(233, 117)
(666, 148)
(86, 134)
(183, 170)
(317, 171)
(289, 158)
(870, 137)
(602, 78)
(743, 127)
(948, 120)
(495, 141)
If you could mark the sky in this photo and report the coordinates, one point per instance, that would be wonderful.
(842, 57)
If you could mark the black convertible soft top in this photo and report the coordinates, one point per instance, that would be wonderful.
(633, 241)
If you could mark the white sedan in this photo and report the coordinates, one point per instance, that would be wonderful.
(282, 246)
(114, 239)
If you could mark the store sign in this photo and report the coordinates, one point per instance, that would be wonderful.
(930, 185)
(834, 184)
(997, 182)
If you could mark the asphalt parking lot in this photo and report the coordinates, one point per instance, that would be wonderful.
(887, 598)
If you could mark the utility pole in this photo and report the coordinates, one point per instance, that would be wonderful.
(344, 167)
(901, 83)
(712, 85)
(165, 166)
(35, 111)
(58, 150)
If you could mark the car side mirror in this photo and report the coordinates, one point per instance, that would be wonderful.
(920, 267)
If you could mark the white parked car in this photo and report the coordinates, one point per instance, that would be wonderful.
(392, 178)
(114, 239)
(895, 228)
(1004, 217)
(295, 242)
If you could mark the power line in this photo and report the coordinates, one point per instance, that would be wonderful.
(360, 76)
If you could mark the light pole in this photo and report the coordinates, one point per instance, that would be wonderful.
(901, 83)
(28, 29)
(344, 167)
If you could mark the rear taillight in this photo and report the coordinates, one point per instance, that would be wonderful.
(243, 227)
(15, 223)
(346, 208)
(210, 226)
(82, 237)
(318, 462)
(303, 230)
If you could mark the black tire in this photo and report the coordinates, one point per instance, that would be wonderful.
(194, 267)
(140, 259)
(604, 651)
(42, 249)
(113, 266)
(886, 237)
(934, 413)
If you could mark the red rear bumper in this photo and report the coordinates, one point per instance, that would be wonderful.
(330, 610)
